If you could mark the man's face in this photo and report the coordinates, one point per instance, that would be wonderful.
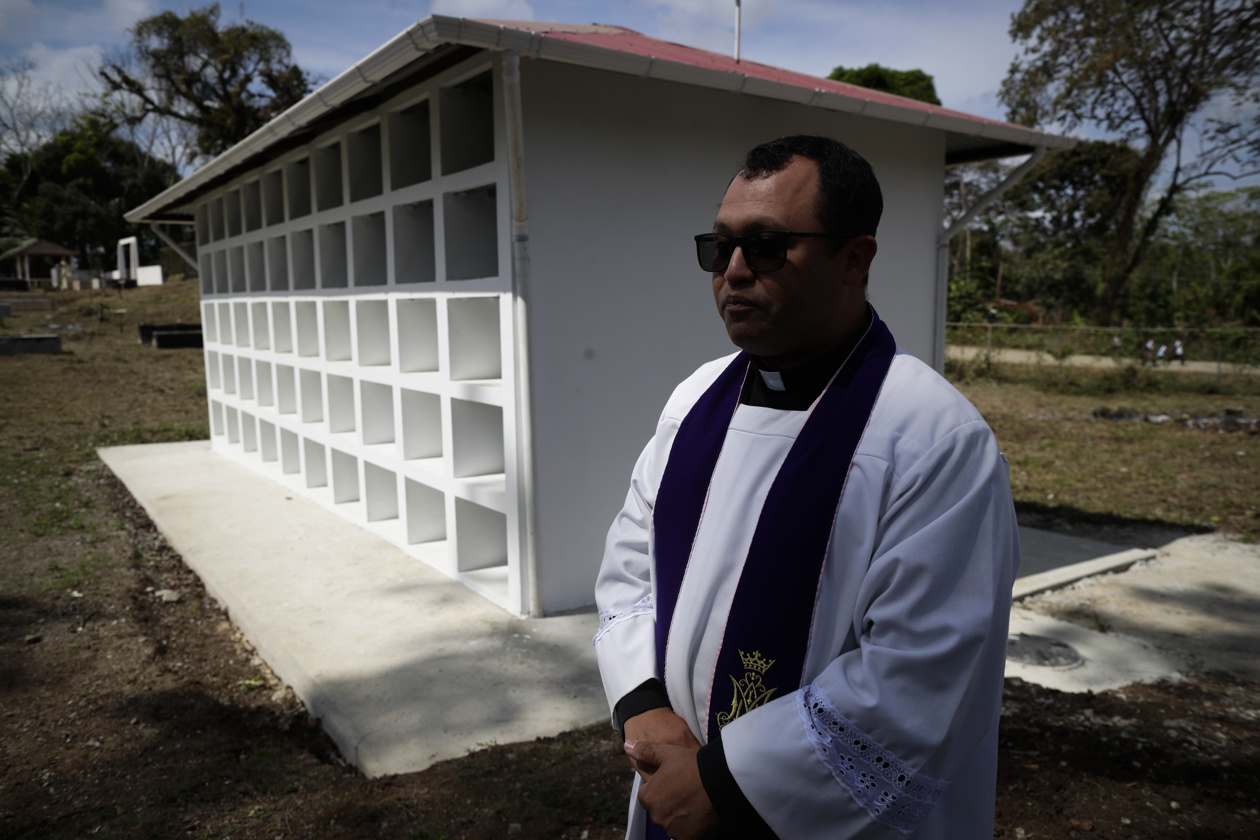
(809, 305)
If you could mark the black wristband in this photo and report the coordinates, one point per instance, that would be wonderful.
(740, 820)
(644, 697)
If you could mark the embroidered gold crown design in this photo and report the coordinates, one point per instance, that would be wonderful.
(750, 692)
(755, 661)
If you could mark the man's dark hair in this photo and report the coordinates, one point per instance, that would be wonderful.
(849, 199)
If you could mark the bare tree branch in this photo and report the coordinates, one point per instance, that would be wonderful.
(31, 112)
(224, 81)
(1142, 70)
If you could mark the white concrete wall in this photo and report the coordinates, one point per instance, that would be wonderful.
(621, 172)
(358, 325)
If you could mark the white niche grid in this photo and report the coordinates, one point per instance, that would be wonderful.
(359, 326)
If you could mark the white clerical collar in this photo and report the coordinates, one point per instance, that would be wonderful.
(773, 379)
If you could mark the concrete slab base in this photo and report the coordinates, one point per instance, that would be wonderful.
(404, 666)
(1045, 551)
(1199, 597)
(1107, 660)
(1057, 578)
(407, 667)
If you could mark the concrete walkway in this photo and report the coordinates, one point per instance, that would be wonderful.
(1193, 607)
(406, 667)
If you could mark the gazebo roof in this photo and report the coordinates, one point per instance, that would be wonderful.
(38, 248)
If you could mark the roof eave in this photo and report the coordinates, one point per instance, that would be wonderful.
(426, 35)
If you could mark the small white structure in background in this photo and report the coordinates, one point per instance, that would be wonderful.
(396, 329)
(42, 251)
(129, 268)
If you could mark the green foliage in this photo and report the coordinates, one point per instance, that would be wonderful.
(81, 576)
(1048, 241)
(970, 297)
(912, 84)
(424, 834)
(1074, 192)
(977, 256)
(159, 433)
(81, 183)
(225, 81)
(252, 684)
(1065, 214)
(59, 511)
(1081, 58)
(1204, 269)
(1145, 71)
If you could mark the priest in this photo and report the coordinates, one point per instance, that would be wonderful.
(804, 601)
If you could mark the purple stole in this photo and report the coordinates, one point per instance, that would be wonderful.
(768, 628)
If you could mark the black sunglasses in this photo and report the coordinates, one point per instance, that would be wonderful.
(765, 250)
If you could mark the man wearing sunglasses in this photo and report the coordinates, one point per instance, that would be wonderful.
(804, 601)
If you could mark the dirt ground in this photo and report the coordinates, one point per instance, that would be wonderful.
(130, 708)
(127, 715)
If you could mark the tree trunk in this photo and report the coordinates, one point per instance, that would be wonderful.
(1119, 266)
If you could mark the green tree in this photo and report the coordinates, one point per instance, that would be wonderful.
(912, 84)
(1175, 79)
(1203, 268)
(81, 183)
(978, 255)
(1062, 221)
(225, 81)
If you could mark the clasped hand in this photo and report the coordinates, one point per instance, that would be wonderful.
(663, 751)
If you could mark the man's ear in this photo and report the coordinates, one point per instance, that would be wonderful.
(858, 256)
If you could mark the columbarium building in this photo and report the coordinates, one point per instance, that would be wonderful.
(445, 295)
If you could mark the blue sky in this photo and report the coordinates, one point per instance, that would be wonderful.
(965, 46)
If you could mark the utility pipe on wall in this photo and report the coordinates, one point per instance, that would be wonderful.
(525, 478)
(942, 248)
(737, 15)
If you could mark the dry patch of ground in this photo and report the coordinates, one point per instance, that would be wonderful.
(1078, 459)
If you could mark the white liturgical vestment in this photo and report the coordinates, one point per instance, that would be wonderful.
(907, 646)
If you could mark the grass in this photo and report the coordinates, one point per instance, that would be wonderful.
(1067, 461)
(80, 576)
(251, 684)
(104, 389)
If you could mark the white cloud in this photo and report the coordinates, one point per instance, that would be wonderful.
(495, 9)
(964, 46)
(72, 69)
(65, 40)
(24, 22)
(708, 24)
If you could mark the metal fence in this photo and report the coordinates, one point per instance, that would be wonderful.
(1225, 349)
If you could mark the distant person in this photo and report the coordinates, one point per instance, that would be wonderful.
(1179, 351)
(1148, 352)
(1161, 354)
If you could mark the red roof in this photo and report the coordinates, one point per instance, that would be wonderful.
(967, 137)
(621, 39)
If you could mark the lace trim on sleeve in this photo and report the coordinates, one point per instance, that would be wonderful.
(610, 618)
(891, 792)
